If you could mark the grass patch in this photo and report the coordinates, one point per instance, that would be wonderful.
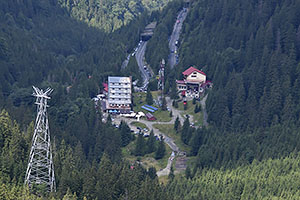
(162, 116)
(140, 100)
(198, 117)
(155, 94)
(139, 124)
(168, 129)
(147, 160)
(163, 179)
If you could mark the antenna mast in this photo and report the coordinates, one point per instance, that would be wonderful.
(40, 168)
(161, 79)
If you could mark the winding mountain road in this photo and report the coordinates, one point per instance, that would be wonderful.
(175, 37)
(140, 54)
(168, 140)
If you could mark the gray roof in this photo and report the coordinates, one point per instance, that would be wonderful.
(117, 79)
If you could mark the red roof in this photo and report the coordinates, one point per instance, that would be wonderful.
(191, 70)
(105, 86)
(180, 81)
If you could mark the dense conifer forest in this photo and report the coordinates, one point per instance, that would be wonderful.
(249, 49)
(110, 15)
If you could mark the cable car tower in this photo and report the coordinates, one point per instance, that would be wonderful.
(161, 76)
(40, 168)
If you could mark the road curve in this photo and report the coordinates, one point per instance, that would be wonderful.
(175, 37)
(140, 54)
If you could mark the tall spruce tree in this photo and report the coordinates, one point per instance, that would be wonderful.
(161, 149)
(149, 98)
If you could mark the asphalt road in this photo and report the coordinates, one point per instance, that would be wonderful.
(140, 54)
(175, 36)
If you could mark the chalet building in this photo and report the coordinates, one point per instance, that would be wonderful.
(119, 94)
(193, 83)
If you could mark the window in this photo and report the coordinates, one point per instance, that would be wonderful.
(194, 76)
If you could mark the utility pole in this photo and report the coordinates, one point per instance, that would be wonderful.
(161, 80)
(40, 168)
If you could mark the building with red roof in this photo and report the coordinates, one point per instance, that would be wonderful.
(193, 83)
(105, 87)
(194, 75)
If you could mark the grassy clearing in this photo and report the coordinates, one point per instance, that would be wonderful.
(148, 159)
(168, 129)
(163, 179)
(155, 94)
(140, 100)
(139, 124)
(162, 116)
(198, 117)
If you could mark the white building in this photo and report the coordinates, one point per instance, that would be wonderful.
(119, 94)
(193, 84)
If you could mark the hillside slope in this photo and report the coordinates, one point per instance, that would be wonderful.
(110, 15)
(270, 179)
(251, 52)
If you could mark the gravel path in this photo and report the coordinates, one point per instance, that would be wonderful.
(168, 140)
(203, 106)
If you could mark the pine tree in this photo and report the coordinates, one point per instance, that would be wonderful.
(152, 172)
(140, 146)
(188, 172)
(149, 98)
(126, 136)
(171, 175)
(185, 133)
(161, 149)
(151, 143)
(164, 104)
(194, 101)
(177, 124)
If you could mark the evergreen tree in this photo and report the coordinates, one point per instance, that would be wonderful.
(161, 149)
(177, 124)
(196, 110)
(140, 146)
(164, 104)
(194, 101)
(171, 174)
(126, 136)
(151, 143)
(152, 172)
(149, 98)
(185, 133)
(188, 172)
(173, 94)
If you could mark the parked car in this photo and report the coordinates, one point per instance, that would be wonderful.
(146, 130)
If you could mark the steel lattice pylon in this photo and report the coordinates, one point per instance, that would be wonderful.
(40, 165)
